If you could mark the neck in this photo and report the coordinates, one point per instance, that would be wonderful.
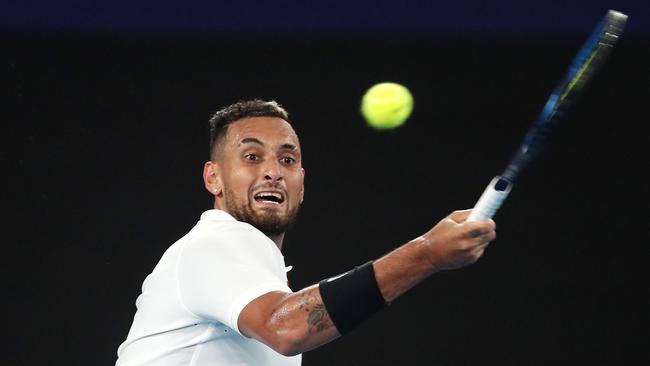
(277, 239)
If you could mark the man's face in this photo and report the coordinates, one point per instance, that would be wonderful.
(260, 172)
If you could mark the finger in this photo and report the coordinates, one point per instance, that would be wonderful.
(477, 233)
(476, 229)
(476, 254)
(487, 239)
(481, 241)
(460, 215)
(488, 224)
(479, 253)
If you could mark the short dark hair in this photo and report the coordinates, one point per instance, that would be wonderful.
(221, 119)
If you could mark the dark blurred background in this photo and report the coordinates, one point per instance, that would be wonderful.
(107, 105)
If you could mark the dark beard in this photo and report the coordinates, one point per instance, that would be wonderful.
(271, 224)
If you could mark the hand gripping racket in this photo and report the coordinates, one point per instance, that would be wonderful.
(584, 65)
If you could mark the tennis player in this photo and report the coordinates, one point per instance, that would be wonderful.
(219, 295)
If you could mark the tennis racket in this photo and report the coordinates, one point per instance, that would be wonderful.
(583, 67)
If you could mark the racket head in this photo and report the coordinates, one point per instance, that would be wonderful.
(584, 66)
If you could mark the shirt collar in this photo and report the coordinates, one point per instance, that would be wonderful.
(216, 215)
(219, 215)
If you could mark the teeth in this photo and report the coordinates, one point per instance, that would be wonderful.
(269, 194)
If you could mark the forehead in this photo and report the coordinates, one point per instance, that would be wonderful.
(271, 131)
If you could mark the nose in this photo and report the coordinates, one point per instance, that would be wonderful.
(272, 170)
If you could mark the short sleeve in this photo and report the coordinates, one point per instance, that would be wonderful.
(223, 268)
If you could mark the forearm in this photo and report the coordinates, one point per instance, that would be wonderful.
(452, 243)
(402, 268)
(300, 321)
(303, 318)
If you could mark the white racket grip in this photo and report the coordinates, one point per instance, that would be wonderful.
(491, 199)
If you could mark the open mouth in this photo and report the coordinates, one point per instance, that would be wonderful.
(269, 197)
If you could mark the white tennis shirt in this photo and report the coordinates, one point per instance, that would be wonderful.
(188, 310)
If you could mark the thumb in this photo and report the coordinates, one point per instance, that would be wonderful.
(460, 215)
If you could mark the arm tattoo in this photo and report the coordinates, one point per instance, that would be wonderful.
(317, 317)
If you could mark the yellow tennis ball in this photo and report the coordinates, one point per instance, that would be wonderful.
(387, 105)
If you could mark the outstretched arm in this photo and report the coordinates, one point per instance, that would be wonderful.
(298, 322)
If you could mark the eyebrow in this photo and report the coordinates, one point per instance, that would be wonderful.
(288, 147)
(253, 140)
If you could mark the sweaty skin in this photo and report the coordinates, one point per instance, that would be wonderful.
(261, 154)
(258, 154)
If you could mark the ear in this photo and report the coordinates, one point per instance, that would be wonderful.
(212, 178)
(302, 190)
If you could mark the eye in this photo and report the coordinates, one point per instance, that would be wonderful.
(287, 160)
(251, 157)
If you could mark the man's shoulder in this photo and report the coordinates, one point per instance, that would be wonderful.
(220, 222)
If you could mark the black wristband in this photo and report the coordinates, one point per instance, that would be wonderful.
(352, 297)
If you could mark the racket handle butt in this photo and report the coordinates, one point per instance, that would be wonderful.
(491, 199)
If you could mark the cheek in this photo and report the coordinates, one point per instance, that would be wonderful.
(296, 184)
(239, 181)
